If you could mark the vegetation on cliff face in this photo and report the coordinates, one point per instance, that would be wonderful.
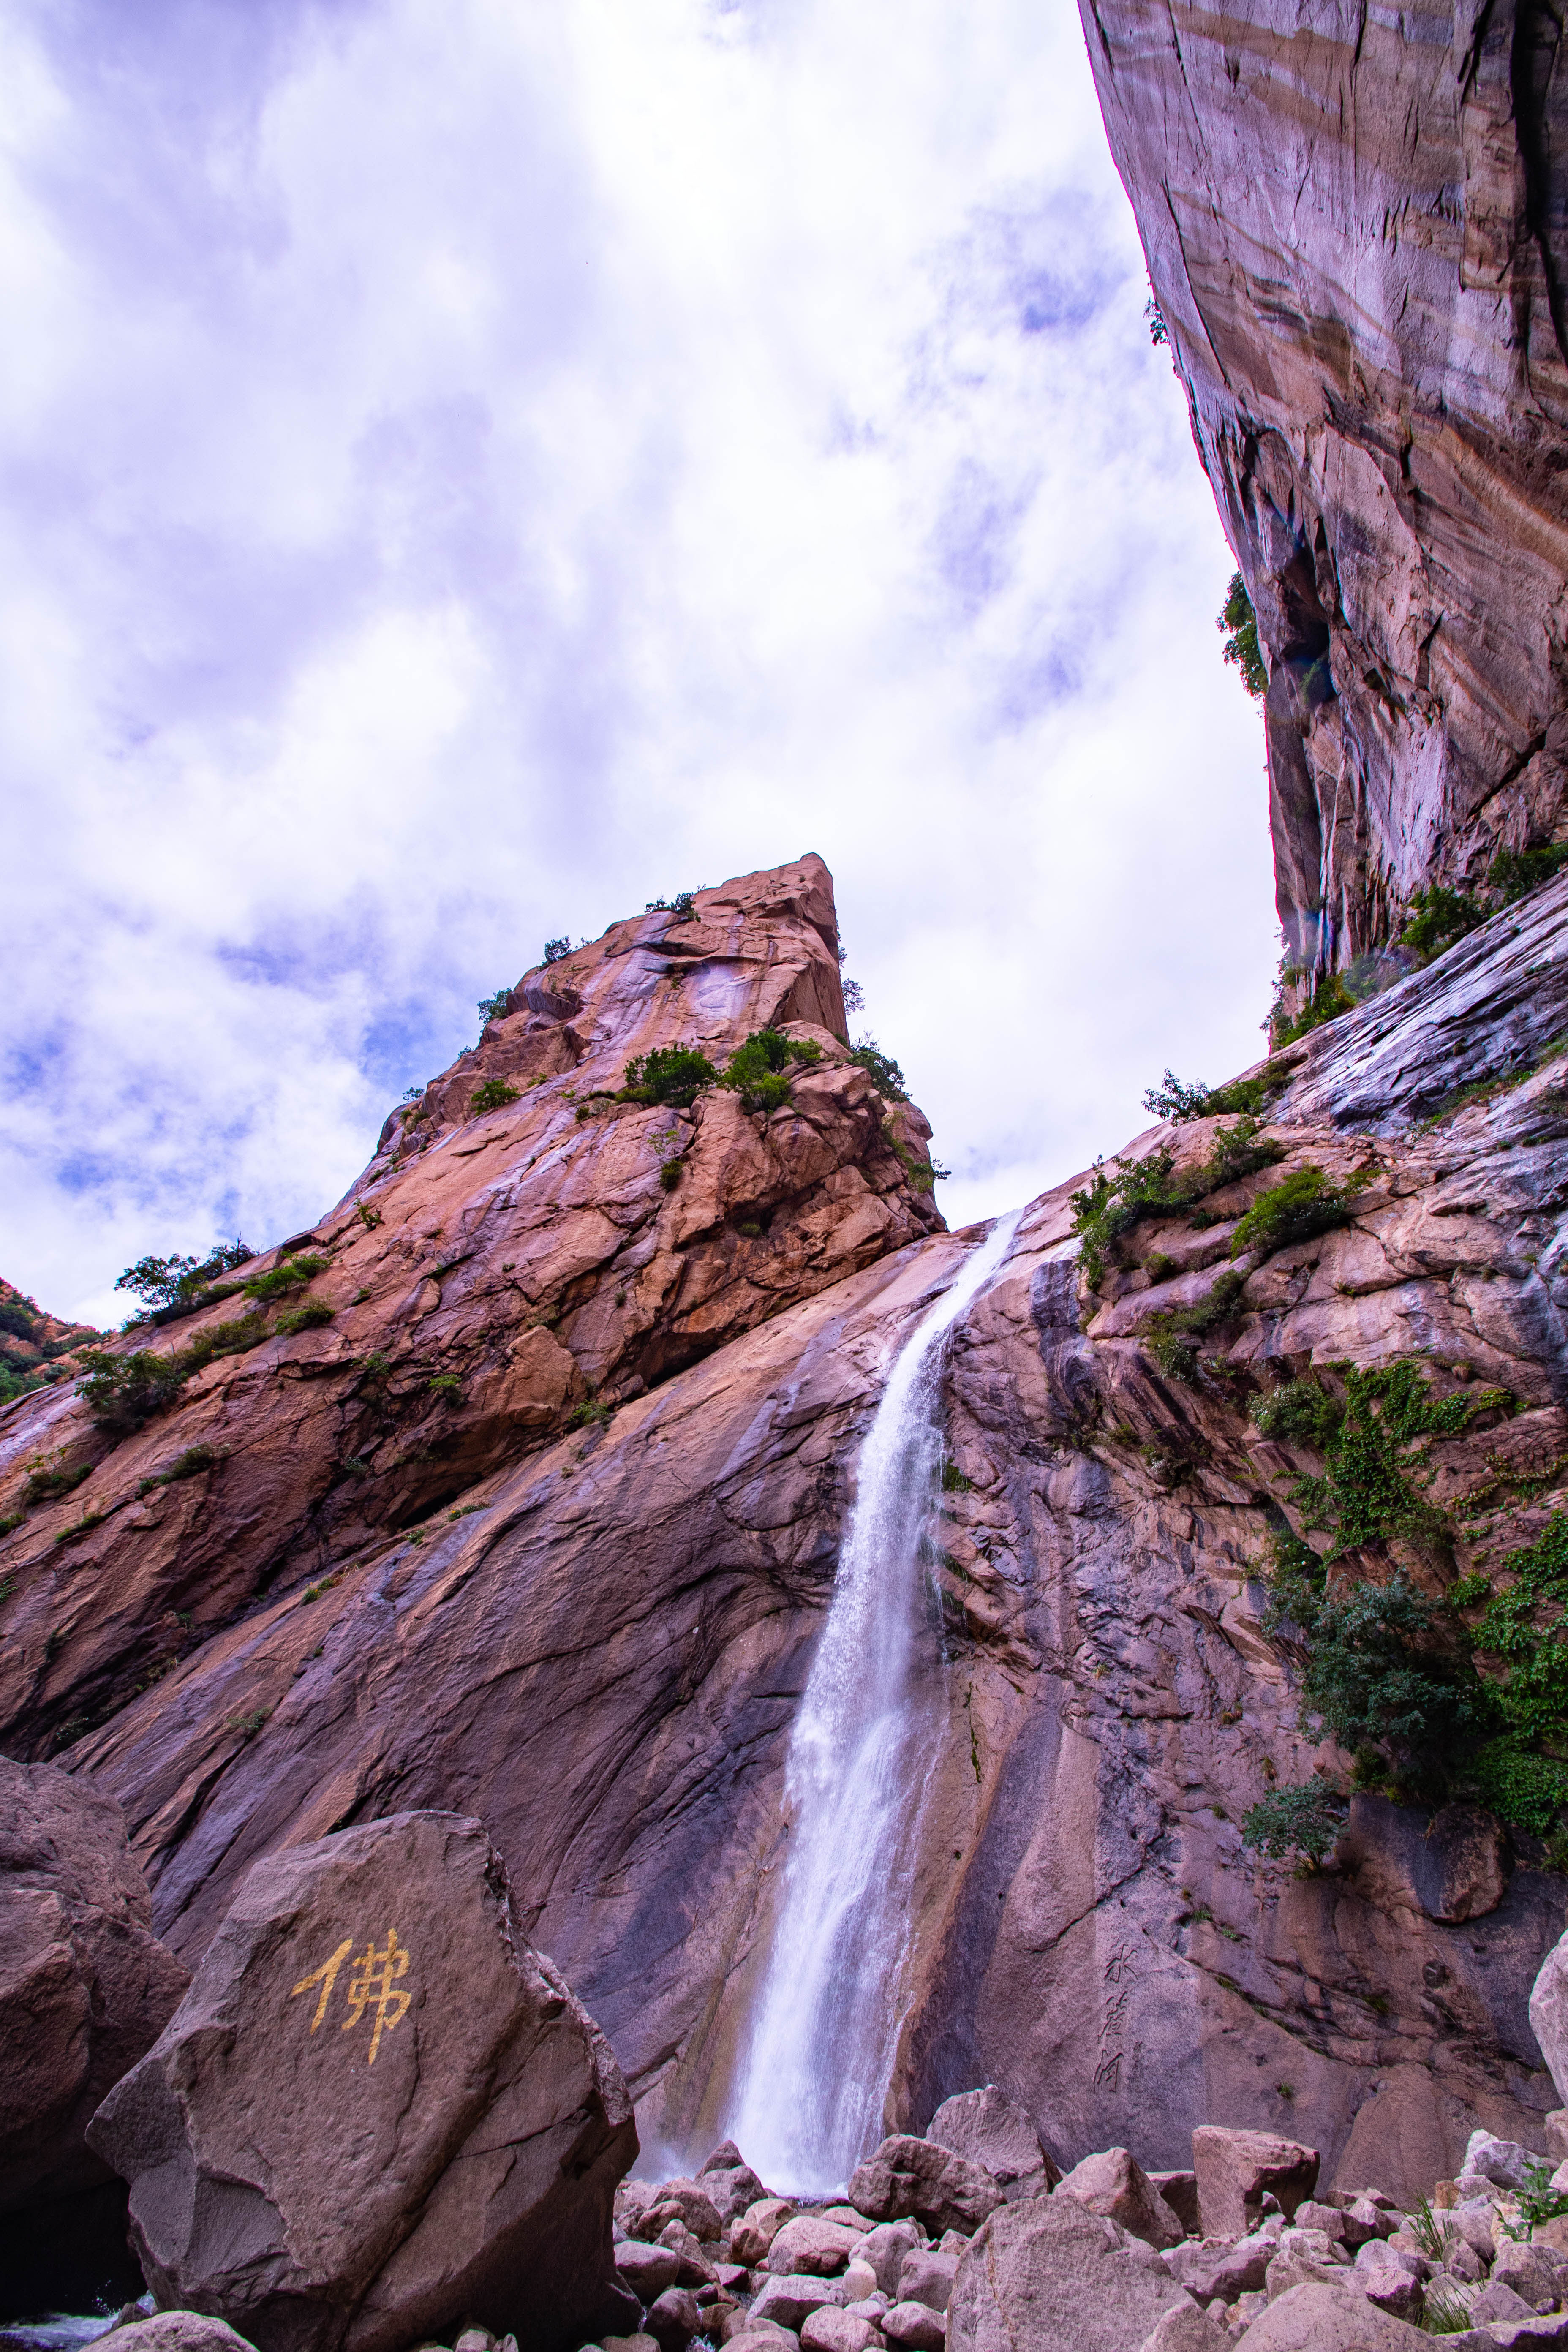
(1111, 1206)
(1436, 917)
(1238, 623)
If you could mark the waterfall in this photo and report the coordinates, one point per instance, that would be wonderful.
(827, 2022)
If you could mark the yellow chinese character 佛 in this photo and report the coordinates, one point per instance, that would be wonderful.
(326, 1976)
(371, 1987)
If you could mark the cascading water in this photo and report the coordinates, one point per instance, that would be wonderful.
(860, 1755)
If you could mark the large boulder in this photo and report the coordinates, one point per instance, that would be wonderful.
(1236, 2170)
(1049, 2271)
(378, 2114)
(175, 2331)
(1322, 2318)
(908, 2175)
(85, 1990)
(1113, 2183)
(1549, 2012)
(989, 2128)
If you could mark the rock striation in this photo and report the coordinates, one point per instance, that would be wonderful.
(1356, 232)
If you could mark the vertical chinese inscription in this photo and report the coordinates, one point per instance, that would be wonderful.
(372, 1985)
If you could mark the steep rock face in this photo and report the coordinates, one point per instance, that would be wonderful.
(600, 1656)
(1356, 222)
(490, 1274)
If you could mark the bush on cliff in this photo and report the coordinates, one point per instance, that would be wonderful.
(496, 1007)
(759, 1070)
(881, 1069)
(178, 1285)
(1302, 1204)
(1299, 1413)
(1436, 917)
(1329, 998)
(1111, 1206)
(291, 1274)
(1172, 1100)
(1304, 1821)
(123, 1391)
(494, 1093)
(673, 1076)
(1172, 1337)
(1238, 623)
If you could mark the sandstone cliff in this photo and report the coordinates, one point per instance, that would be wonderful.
(593, 1637)
(1354, 219)
(494, 1274)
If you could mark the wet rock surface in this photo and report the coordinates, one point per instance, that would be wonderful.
(377, 2113)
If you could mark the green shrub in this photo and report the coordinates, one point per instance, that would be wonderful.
(881, 1069)
(594, 1415)
(1516, 872)
(188, 1465)
(1301, 1204)
(291, 1274)
(170, 1287)
(1379, 1672)
(46, 1482)
(493, 1095)
(307, 1316)
(1171, 1100)
(555, 949)
(496, 1007)
(19, 1317)
(16, 1382)
(1109, 1207)
(444, 1385)
(1436, 917)
(1365, 1495)
(1528, 1790)
(673, 1076)
(1238, 1152)
(231, 1339)
(1300, 1412)
(670, 1174)
(1329, 998)
(1533, 1655)
(1172, 1337)
(1238, 623)
(758, 1071)
(123, 1391)
(1303, 1821)
(954, 1481)
(683, 906)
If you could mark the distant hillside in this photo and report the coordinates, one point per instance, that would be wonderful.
(35, 1348)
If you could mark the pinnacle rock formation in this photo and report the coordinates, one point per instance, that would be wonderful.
(1356, 232)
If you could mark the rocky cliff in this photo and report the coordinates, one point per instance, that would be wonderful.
(1356, 224)
(589, 1625)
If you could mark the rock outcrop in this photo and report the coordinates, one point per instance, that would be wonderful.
(85, 1989)
(377, 2114)
(598, 1645)
(497, 1274)
(1356, 232)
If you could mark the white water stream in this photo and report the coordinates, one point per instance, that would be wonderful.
(827, 2022)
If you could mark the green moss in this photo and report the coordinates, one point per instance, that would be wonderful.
(670, 1174)
(444, 1385)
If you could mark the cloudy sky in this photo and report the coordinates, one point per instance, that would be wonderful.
(469, 467)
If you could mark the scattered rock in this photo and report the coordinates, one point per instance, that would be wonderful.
(175, 2331)
(696, 2270)
(915, 2326)
(1180, 2192)
(1503, 2162)
(860, 2279)
(829, 2330)
(787, 2301)
(673, 2319)
(1530, 2271)
(1236, 2170)
(85, 1990)
(687, 2201)
(884, 2249)
(368, 1999)
(1216, 2266)
(1112, 2183)
(1049, 2271)
(909, 2176)
(811, 2244)
(926, 2275)
(1393, 2291)
(751, 2237)
(1497, 2300)
(647, 2270)
(990, 2129)
(1185, 2328)
(1322, 2318)
(1301, 2257)
(1549, 2016)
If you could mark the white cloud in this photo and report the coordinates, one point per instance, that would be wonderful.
(473, 469)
